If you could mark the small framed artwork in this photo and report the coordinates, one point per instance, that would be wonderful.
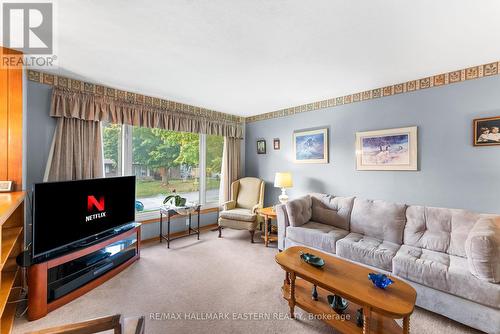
(261, 146)
(310, 146)
(276, 143)
(5, 186)
(391, 149)
(487, 131)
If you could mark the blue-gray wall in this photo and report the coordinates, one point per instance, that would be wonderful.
(452, 173)
(40, 129)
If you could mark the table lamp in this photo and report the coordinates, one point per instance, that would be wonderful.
(283, 181)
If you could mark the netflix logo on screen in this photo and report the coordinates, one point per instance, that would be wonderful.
(96, 207)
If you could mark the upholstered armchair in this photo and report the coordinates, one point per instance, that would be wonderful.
(240, 213)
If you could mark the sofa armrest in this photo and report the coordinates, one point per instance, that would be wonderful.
(283, 223)
(229, 205)
(482, 248)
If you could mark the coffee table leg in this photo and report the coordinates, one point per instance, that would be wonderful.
(291, 301)
(406, 325)
(367, 313)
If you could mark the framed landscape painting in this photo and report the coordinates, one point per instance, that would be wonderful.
(487, 131)
(311, 147)
(391, 149)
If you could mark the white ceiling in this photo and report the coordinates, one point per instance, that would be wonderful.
(255, 56)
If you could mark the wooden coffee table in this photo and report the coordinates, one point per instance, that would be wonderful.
(350, 281)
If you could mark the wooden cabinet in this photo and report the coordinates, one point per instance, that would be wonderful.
(11, 230)
(11, 204)
(11, 122)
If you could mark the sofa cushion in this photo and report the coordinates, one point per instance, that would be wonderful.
(316, 235)
(248, 192)
(441, 271)
(379, 219)
(438, 229)
(299, 210)
(331, 210)
(238, 214)
(483, 249)
(367, 250)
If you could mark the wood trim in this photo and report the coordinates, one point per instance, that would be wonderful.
(79, 253)
(37, 287)
(157, 220)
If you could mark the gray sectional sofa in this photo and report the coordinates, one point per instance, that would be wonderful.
(451, 257)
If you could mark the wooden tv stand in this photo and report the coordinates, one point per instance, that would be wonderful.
(38, 298)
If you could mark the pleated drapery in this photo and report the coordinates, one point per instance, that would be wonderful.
(230, 169)
(90, 107)
(76, 151)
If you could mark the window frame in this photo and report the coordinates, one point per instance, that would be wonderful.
(126, 159)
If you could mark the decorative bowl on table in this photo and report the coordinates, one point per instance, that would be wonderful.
(312, 259)
(380, 280)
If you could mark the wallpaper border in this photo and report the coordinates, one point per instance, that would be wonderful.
(91, 88)
(442, 79)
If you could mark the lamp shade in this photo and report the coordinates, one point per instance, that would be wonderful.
(283, 180)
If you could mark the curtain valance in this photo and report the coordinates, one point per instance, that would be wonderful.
(79, 105)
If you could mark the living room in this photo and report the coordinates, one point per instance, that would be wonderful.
(250, 166)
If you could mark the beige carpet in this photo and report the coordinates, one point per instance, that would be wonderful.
(198, 278)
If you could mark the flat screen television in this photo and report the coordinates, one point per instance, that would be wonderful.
(72, 213)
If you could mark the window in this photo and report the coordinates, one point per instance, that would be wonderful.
(111, 137)
(164, 161)
(215, 146)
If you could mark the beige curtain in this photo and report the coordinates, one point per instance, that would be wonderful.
(230, 167)
(76, 151)
(90, 107)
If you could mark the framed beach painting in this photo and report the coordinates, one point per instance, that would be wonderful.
(310, 146)
(487, 131)
(391, 149)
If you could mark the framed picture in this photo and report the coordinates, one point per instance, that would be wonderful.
(261, 146)
(487, 131)
(391, 149)
(5, 186)
(311, 146)
(276, 143)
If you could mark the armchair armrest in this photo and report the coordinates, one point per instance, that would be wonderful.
(283, 223)
(228, 205)
(256, 207)
(482, 248)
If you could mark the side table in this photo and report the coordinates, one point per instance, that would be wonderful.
(169, 212)
(268, 214)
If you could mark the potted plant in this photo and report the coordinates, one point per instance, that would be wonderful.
(175, 199)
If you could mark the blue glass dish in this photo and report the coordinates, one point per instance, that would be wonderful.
(380, 280)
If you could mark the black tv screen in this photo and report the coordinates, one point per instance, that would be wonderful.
(68, 212)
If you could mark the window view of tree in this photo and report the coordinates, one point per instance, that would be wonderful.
(215, 146)
(111, 136)
(164, 161)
